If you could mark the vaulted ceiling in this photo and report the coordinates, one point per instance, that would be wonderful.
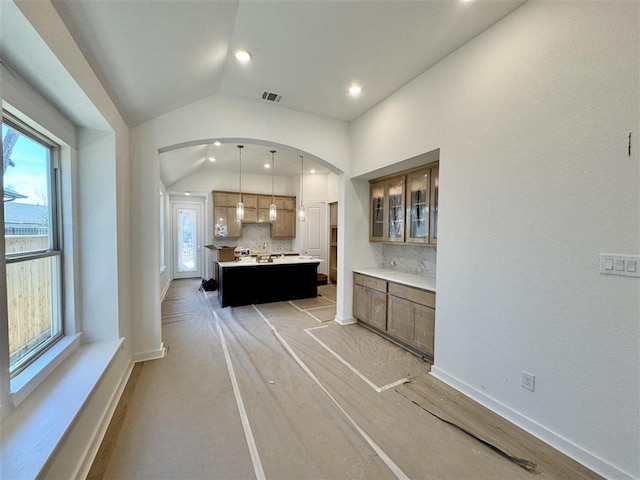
(154, 56)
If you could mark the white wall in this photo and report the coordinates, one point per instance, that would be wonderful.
(97, 227)
(532, 118)
(208, 179)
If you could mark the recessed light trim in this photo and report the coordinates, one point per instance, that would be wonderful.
(242, 56)
(355, 90)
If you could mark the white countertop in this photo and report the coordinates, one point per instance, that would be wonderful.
(251, 261)
(410, 279)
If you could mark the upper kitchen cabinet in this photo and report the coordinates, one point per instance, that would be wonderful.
(376, 227)
(225, 222)
(387, 210)
(422, 206)
(250, 208)
(418, 188)
(256, 210)
(224, 212)
(404, 208)
(433, 214)
(395, 213)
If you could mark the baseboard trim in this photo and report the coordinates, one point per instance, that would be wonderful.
(165, 290)
(556, 441)
(95, 441)
(150, 354)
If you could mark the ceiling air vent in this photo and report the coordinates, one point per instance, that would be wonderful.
(271, 97)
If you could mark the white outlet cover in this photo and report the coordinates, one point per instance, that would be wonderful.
(528, 381)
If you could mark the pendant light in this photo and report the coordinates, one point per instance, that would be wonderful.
(240, 205)
(302, 215)
(273, 213)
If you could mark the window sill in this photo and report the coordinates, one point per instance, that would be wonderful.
(31, 433)
(28, 380)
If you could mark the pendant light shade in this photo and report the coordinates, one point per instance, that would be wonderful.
(240, 205)
(302, 215)
(273, 212)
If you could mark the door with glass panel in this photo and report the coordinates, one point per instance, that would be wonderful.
(187, 242)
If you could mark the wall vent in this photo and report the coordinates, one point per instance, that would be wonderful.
(271, 97)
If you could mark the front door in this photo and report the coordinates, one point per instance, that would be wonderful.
(187, 246)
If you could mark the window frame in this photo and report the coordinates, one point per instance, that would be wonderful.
(55, 241)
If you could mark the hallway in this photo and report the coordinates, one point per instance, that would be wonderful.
(274, 391)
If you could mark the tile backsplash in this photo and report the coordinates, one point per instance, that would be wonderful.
(254, 236)
(407, 258)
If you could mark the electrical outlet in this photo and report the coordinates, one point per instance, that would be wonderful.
(528, 381)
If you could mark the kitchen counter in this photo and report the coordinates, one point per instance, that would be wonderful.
(248, 282)
(286, 260)
(410, 279)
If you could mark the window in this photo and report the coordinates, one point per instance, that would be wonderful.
(32, 242)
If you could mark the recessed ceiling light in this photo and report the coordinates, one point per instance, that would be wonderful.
(313, 170)
(212, 159)
(266, 165)
(187, 192)
(217, 144)
(242, 56)
(354, 90)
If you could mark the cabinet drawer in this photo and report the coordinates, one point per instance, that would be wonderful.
(370, 282)
(413, 294)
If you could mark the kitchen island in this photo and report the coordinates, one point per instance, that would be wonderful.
(246, 281)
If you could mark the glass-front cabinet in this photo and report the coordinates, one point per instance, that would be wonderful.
(404, 208)
(418, 188)
(433, 215)
(376, 233)
(387, 210)
(395, 214)
(422, 206)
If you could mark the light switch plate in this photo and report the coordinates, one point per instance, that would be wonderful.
(622, 265)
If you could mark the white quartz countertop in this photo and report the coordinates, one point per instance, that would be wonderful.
(251, 261)
(410, 279)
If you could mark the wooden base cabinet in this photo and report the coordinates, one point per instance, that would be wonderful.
(411, 323)
(400, 312)
(370, 301)
(424, 319)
